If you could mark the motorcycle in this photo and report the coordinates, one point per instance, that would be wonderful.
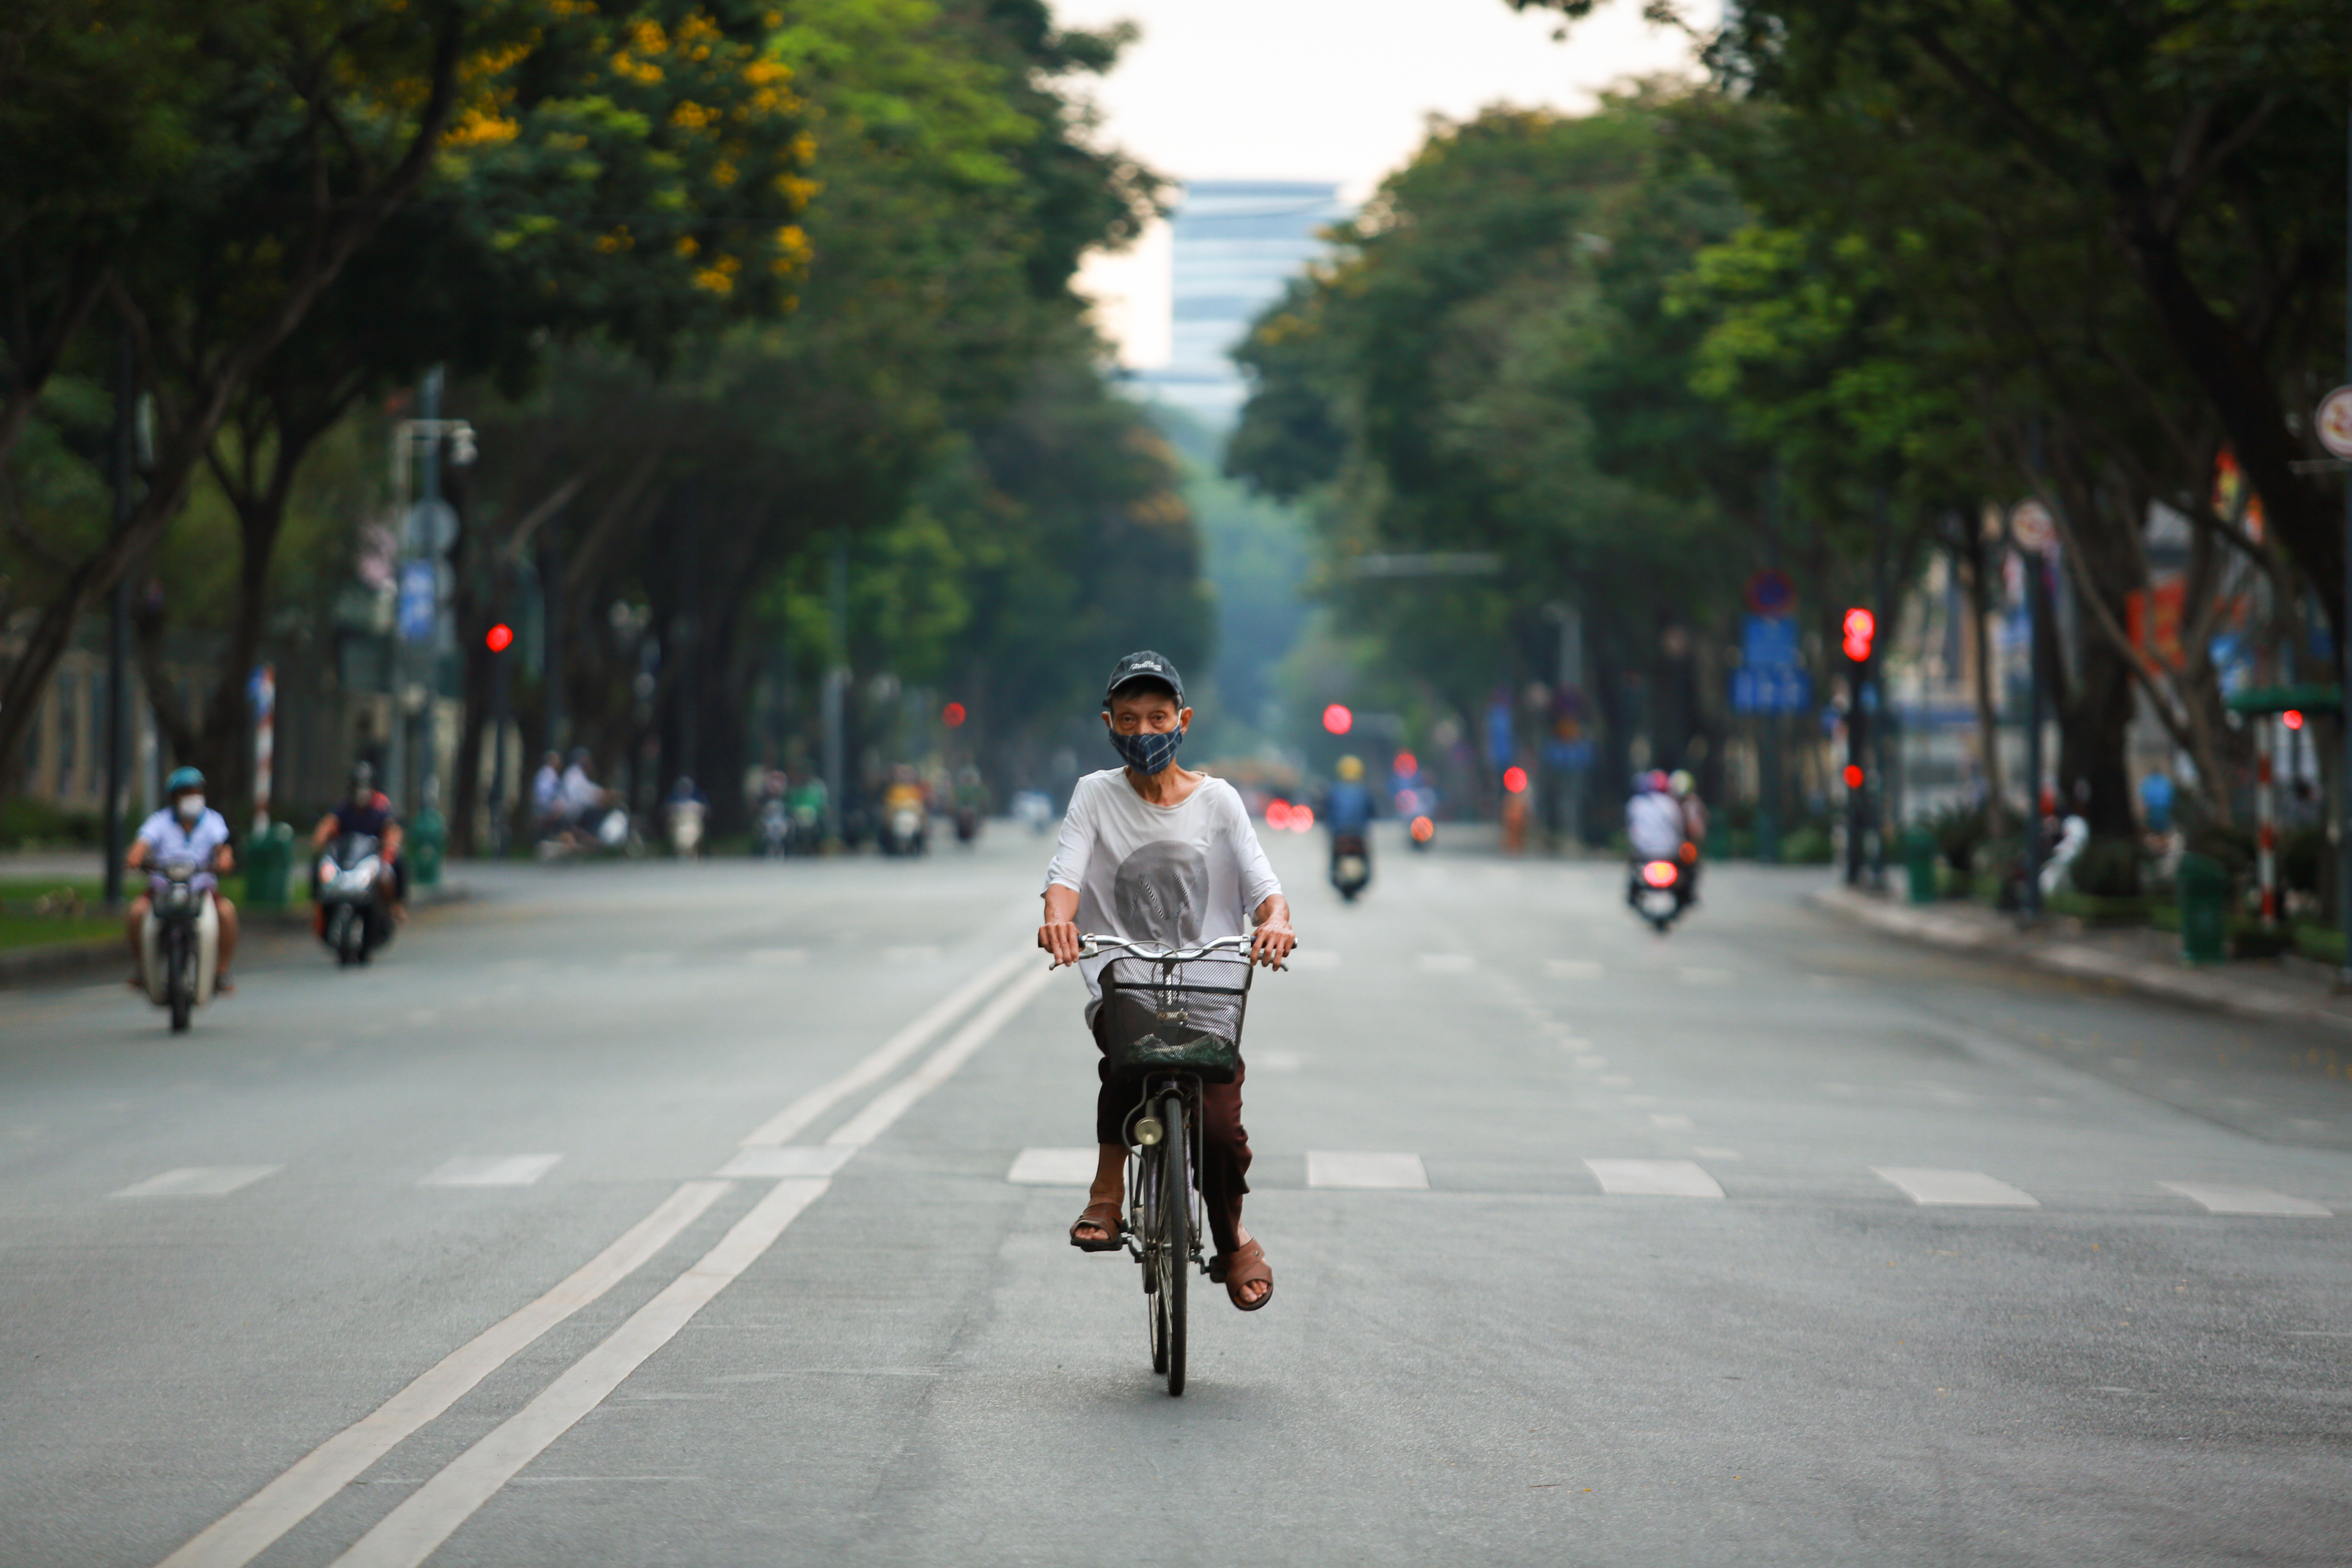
(1660, 890)
(966, 824)
(1352, 864)
(686, 829)
(352, 918)
(775, 831)
(179, 943)
(904, 830)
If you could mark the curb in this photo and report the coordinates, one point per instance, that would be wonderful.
(21, 966)
(2078, 961)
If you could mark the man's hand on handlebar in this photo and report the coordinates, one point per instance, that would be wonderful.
(1059, 934)
(1275, 939)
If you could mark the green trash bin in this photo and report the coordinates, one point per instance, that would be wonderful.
(427, 843)
(2204, 910)
(268, 858)
(1919, 863)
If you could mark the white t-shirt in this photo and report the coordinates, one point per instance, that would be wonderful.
(1653, 823)
(1179, 874)
(168, 840)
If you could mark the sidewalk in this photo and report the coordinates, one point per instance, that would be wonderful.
(2132, 958)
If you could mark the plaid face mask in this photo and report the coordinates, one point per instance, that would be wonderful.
(1148, 752)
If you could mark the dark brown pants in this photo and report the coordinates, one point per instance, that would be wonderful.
(1225, 1143)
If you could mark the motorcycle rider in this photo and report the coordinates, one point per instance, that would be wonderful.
(365, 809)
(584, 800)
(1684, 788)
(1653, 830)
(1348, 810)
(547, 794)
(185, 830)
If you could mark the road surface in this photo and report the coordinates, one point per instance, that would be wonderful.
(663, 1215)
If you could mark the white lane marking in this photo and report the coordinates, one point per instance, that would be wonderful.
(2218, 1198)
(1448, 963)
(1616, 1081)
(490, 1171)
(415, 1530)
(1573, 968)
(912, 954)
(1346, 1168)
(1970, 1188)
(1672, 1121)
(893, 1102)
(1277, 1061)
(1052, 1168)
(198, 1182)
(248, 1529)
(647, 959)
(1709, 1151)
(781, 1127)
(776, 956)
(1654, 1178)
(1591, 1064)
(1312, 958)
(789, 1160)
(1705, 976)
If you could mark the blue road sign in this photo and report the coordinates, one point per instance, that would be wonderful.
(1770, 688)
(416, 601)
(1767, 640)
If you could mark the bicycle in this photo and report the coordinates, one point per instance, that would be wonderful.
(1173, 1033)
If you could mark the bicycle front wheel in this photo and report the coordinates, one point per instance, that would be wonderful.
(1175, 1236)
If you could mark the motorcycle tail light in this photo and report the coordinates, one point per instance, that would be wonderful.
(1659, 873)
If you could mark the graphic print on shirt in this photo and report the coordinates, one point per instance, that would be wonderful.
(1161, 892)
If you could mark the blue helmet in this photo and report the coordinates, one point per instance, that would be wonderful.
(183, 778)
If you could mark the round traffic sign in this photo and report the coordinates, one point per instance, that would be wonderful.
(2035, 531)
(1769, 593)
(2335, 422)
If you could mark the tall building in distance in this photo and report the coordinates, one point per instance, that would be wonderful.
(1235, 243)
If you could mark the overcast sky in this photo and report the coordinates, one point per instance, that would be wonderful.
(1326, 89)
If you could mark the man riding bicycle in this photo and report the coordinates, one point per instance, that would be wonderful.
(1153, 852)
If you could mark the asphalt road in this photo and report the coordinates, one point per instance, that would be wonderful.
(571, 1232)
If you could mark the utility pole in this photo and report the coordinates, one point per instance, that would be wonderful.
(1881, 716)
(550, 646)
(2030, 896)
(2344, 641)
(428, 409)
(126, 419)
(837, 684)
(1768, 808)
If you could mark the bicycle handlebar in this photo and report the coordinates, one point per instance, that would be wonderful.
(1091, 945)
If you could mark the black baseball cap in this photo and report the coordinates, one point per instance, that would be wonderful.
(1143, 664)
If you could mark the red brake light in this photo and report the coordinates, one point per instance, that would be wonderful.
(1660, 873)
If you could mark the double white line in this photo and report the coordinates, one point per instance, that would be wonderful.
(415, 1530)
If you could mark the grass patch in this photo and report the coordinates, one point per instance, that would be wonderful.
(39, 930)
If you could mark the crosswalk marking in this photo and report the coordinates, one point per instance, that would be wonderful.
(776, 956)
(1329, 1168)
(1573, 968)
(490, 1171)
(1654, 1178)
(1052, 1168)
(2220, 1198)
(1705, 976)
(1671, 1121)
(1312, 958)
(199, 1182)
(1448, 963)
(1971, 1189)
(786, 1160)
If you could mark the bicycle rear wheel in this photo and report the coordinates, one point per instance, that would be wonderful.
(1151, 1181)
(1175, 1237)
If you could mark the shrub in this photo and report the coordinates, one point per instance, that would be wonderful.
(2107, 869)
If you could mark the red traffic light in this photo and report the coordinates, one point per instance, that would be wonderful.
(1337, 720)
(2293, 718)
(1854, 776)
(1515, 780)
(952, 715)
(499, 638)
(1406, 764)
(1860, 626)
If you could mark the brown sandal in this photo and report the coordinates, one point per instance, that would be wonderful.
(1235, 1269)
(1103, 1215)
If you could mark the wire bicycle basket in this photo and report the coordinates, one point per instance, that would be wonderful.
(1167, 1014)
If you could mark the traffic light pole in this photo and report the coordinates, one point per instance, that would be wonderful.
(428, 408)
